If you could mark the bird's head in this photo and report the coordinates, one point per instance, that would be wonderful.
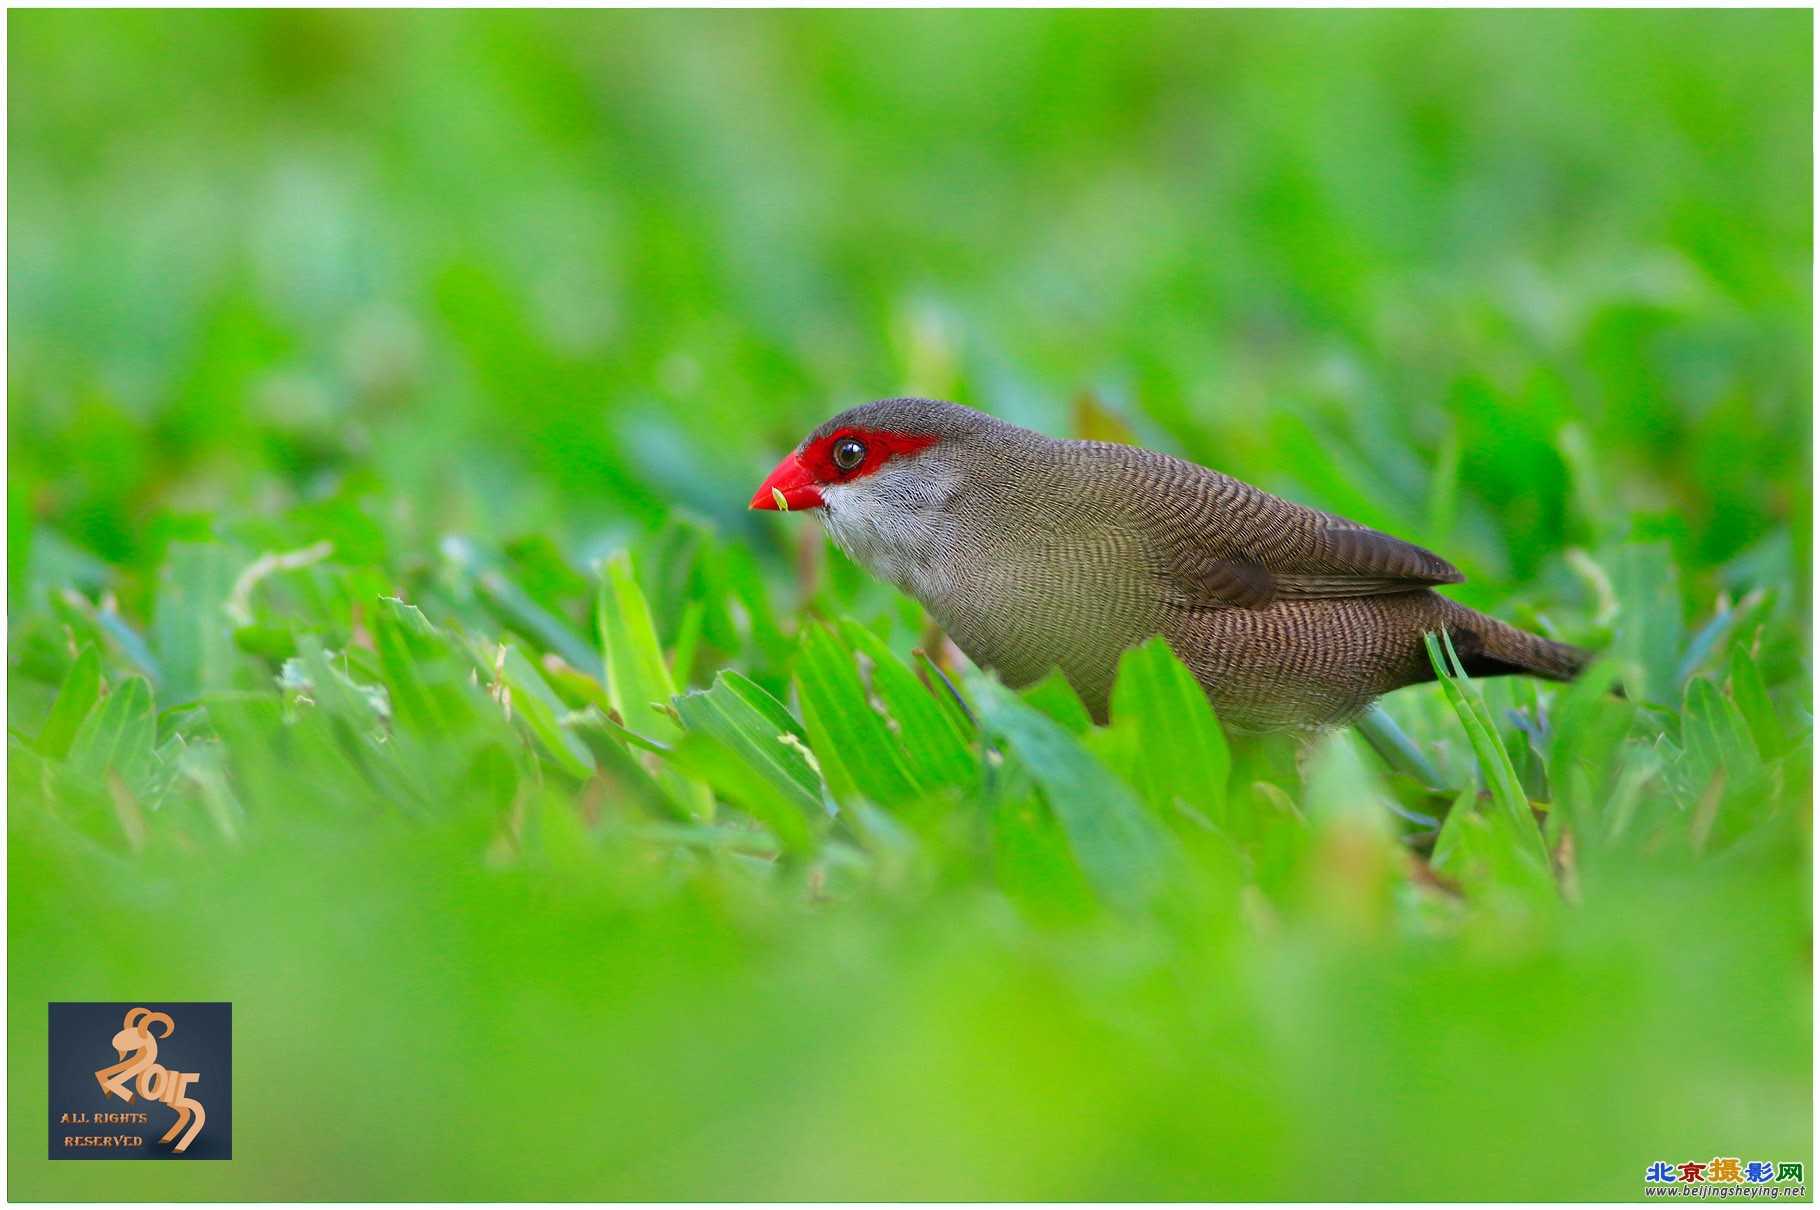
(894, 447)
(880, 476)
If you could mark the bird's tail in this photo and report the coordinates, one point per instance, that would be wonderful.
(1488, 647)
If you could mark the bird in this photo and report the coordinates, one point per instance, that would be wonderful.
(1035, 553)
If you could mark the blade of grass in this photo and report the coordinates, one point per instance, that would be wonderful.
(117, 735)
(1399, 752)
(938, 751)
(1163, 735)
(191, 629)
(755, 727)
(1494, 761)
(81, 690)
(1120, 847)
(1752, 699)
(542, 711)
(638, 679)
(859, 756)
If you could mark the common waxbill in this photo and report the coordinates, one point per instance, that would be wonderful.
(1034, 553)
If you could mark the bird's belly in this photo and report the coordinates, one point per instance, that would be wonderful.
(1303, 664)
(1022, 624)
(1292, 665)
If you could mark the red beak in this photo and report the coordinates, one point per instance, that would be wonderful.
(791, 485)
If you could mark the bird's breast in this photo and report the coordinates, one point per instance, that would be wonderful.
(1063, 599)
(1026, 569)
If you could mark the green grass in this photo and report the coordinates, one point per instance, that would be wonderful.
(390, 653)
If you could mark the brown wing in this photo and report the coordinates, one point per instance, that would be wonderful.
(1225, 543)
(1334, 563)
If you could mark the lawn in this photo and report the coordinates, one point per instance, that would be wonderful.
(391, 654)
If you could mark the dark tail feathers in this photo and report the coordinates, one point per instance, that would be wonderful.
(1488, 647)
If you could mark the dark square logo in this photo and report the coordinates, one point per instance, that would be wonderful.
(152, 1080)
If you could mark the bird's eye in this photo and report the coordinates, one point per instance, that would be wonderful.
(849, 453)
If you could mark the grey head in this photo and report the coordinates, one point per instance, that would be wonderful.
(911, 416)
(891, 513)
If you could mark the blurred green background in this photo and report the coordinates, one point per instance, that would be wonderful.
(480, 299)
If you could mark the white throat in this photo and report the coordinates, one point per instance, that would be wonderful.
(896, 523)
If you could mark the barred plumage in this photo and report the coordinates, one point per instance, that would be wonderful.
(1035, 553)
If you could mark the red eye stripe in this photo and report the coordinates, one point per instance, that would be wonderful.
(881, 447)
